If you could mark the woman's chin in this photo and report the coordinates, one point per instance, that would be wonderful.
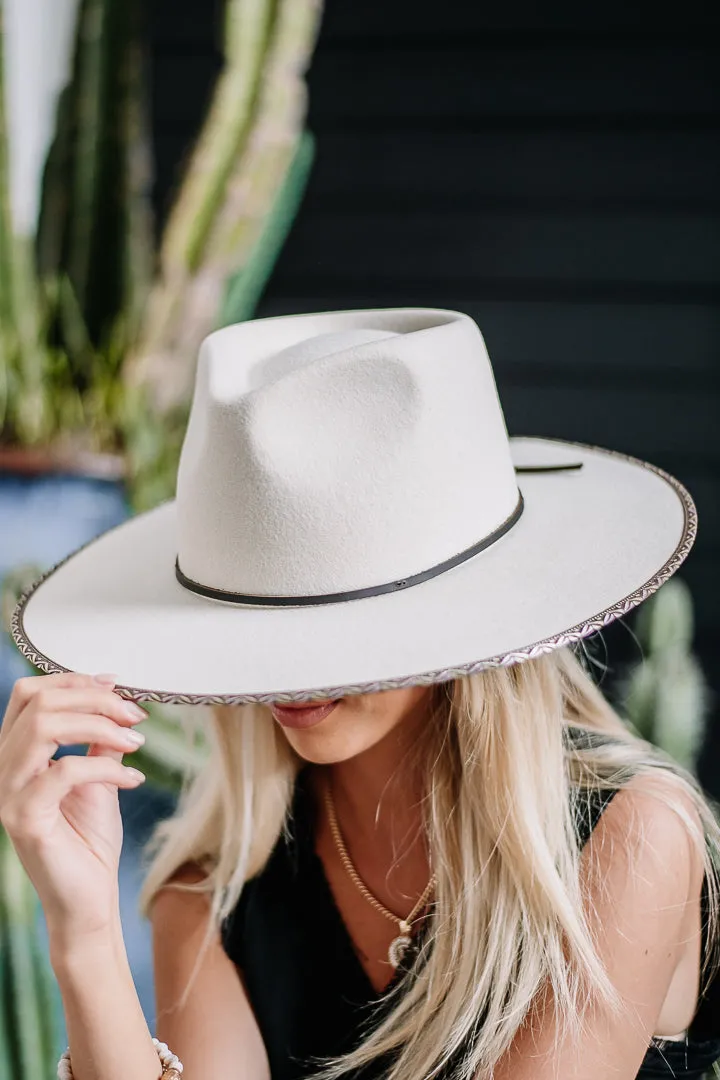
(326, 742)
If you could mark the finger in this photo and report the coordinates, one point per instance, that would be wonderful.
(25, 689)
(98, 750)
(26, 814)
(83, 700)
(30, 746)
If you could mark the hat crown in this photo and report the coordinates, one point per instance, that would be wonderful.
(330, 453)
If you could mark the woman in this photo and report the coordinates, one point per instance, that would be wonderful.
(424, 844)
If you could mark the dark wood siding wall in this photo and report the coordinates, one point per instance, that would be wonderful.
(552, 168)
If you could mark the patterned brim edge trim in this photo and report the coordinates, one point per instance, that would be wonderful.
(529, 652)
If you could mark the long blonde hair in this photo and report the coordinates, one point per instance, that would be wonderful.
(504, 790)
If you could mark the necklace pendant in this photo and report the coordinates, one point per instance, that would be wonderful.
(398, 948)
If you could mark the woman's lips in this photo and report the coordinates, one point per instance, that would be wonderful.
(302, 716)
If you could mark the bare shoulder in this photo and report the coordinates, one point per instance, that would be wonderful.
(651, 828)
(643, 873)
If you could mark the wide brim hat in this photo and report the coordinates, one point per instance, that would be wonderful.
(351, 515)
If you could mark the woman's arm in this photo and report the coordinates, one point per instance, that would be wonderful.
(643, 879)
(107, 1031)
(214, 1033)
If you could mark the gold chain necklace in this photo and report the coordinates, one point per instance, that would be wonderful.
(400, 944)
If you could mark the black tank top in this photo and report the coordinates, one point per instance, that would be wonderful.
(309, 992)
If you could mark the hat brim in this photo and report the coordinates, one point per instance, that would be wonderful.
(591, 544)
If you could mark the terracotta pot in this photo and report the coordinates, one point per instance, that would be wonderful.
(37, 461)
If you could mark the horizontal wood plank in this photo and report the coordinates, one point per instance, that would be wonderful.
(389, 249)
(391, 87)
(392, 84)
(643, 170)
(640, 420)
(380, 18)
(191, 21)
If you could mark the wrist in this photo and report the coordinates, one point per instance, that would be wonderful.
(77, 952)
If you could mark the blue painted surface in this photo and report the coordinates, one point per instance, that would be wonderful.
(42, 520)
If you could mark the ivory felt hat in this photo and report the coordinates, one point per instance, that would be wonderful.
(352, 516)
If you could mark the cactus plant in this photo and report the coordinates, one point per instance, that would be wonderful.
(665, 697)
(95, 355)
(251, 153)
(75, 246)
(30, 1009)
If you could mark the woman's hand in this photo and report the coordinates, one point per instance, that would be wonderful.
(63, 815)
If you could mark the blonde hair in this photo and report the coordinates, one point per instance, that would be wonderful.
(504, 791)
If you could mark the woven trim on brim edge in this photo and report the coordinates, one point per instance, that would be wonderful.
(529, 652)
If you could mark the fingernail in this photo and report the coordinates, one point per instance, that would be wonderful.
(135, 774)
(134, 711)
(136, 738)
(105, 679)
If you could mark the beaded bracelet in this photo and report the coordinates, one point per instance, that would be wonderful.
(172, 1066)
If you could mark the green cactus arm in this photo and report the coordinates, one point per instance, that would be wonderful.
(95, 225)
(185, 304)
(139, 242)
(248, 26)
(152, 450)
(55, 193)
(7, 1072)
(49, 1001)
(227, 127)
(639, 693)
(261, 172)
(666, 696)
(682, 706)
(90, 84)
(21, 907)
(244, 289)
